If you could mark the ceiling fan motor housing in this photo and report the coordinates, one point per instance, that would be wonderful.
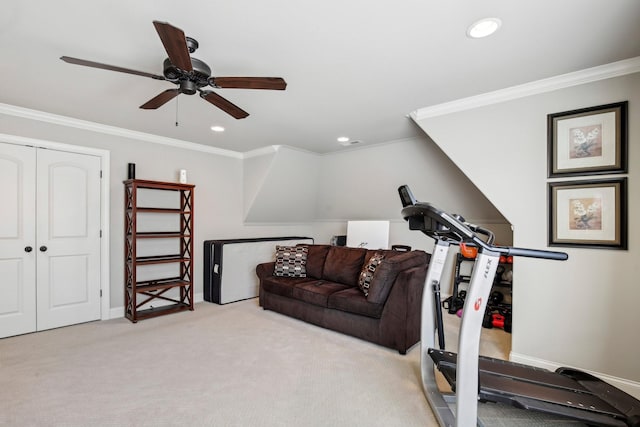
(189, 81)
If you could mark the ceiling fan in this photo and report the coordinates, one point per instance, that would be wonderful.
(189, 74)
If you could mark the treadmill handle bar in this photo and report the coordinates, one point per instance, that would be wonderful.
(524, 252)
(440, 225)
(536, 253)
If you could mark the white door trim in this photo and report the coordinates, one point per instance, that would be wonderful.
(105, 284)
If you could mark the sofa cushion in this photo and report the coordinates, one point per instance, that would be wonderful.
(291, 261)
(368, 271)
(282, 285)
(352, 300)
(343, 265)
(315, 260)
(388, 270)
(316, 292)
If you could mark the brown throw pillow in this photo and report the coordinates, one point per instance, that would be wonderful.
(367, 272)
(291, 261)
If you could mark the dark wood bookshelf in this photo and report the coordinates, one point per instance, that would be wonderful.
(139, 294)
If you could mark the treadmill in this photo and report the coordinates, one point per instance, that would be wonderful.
(565, 393)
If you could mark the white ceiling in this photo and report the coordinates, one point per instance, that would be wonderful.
(353, 67)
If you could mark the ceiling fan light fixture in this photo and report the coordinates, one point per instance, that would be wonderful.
(483, 28)
(217, 128)
(187, 87)
(343, 139)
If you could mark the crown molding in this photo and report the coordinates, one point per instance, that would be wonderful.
(12, 110)
(602, 72)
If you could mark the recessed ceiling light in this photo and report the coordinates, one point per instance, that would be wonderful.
(343, 139)
(350, 142)
(484, 27)
(217, 128)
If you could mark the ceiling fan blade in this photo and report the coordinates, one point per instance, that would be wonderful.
(86, 63)
(275, 83)
(175, 43)
(224, 104)
(161, 99)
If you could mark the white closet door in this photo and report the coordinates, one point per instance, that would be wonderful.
(68, 231)
(18, 250)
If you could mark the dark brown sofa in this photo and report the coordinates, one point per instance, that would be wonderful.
(329, 295)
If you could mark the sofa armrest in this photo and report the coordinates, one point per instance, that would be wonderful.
(265, 269)
(402, 311)
(388, 271)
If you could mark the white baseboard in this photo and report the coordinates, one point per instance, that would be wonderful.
(628, 386)
(117, 312)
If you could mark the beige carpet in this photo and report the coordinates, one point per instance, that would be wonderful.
(231, 365)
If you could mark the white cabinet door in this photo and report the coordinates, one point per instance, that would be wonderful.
(52, 205)
(17, 240)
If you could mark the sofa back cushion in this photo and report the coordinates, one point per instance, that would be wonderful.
(315, 260)
(387, 271)
(343, 265)
(387, 253)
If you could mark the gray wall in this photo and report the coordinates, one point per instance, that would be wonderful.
(275, 192)
(582, 312)
(281, 187)
(218, 194)
(290, 185)
(361, 184)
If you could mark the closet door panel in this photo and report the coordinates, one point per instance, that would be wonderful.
(17, 240)
(68, 229)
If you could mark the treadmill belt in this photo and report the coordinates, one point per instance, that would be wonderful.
(590, 418)
(625, 403)
(512, 370)
(522, 386)
(498, 385)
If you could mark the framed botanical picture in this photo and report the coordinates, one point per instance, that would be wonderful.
(588, 213)
(588, 141)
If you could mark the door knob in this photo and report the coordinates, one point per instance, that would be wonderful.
(43, 248)
(28, 249)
